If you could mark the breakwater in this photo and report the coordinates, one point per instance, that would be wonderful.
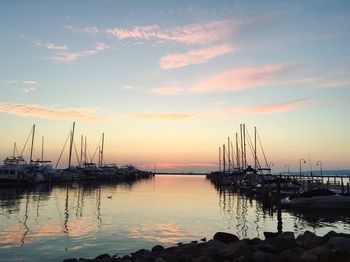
(228, 247)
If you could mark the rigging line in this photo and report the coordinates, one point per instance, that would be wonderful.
(262, 149)
(250, 143)
(59, 158)
(96, 149)
(233, 155)
(25, 145)
(76, 152)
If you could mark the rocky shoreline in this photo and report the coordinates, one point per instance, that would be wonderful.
(228, 247)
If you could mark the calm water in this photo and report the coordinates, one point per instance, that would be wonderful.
(84, 221)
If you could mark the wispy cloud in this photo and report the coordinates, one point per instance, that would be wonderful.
(66, 56)
(166, 116)
(30, 82)
(167, 90)
(28, 90)
(56, 47)
(198, 56)
(87, 30)
(343, 82)
(310, 80)
(265, 109)
(128, 87)
(29, 110)
(189, 34)
(242, 78)
(10, 82)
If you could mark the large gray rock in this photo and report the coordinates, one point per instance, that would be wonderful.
(322, 252)
(280, 244)
(287, 235)
(225, 237)
(260, 256)
(310, 241)
(236, 249)
(342, 243)
(309, 256)
(157, 249)
(292, 255)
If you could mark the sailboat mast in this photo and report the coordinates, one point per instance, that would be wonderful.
(85, 150)
(255, 156)
(14, 150)
(242, 152)
(31, 148)
(237, 152)
(229, 154)
(102, 146)
(245, 152)
(223, 158)
(42, 148)
(71, 146)
(219, 158)
(81, 149)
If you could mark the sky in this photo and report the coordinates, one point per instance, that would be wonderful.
(168, 81)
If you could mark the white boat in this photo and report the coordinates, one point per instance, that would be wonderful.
(40, 171)
(318, 199)
(13, 171)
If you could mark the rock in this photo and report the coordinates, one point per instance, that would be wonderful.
(322, 252)
(332, 233)
(339, 255)
(193, 249)
(292, 255)
(255, 241)
(287, 235)
(169, 257)
(202, 259)
(70, 260)
(103, 256)
(185, 258)
(309, 256)
(157, 249)
(268, 248)
(341, 243)
(280, 244)
(159, 259)
(270, 234)
(260, 256)
(194, 242)
(311, 241)
(215, 244)
(143, 255)
(225, 237)
(240, 259)
(236, 249)
(204, 239)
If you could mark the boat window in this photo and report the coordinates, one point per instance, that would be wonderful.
(6, 172)
(12, 172)
(0, 172)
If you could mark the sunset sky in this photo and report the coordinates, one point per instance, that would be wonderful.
(169, 81)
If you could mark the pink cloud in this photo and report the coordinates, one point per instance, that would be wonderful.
(69, 57)
(166, 116)
(56, 47)
(242, 78)
(190, 34)
(27, 110)
(344, 82)
(266, 109)
(167, 90)
(199, 56)
(87, 30)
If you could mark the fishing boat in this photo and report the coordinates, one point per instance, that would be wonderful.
(318, 199)
(13, 171)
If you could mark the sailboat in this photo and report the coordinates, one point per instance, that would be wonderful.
(39, 171)
(70, 173)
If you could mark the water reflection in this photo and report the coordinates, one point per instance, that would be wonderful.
(83, 220)
(247, 213)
